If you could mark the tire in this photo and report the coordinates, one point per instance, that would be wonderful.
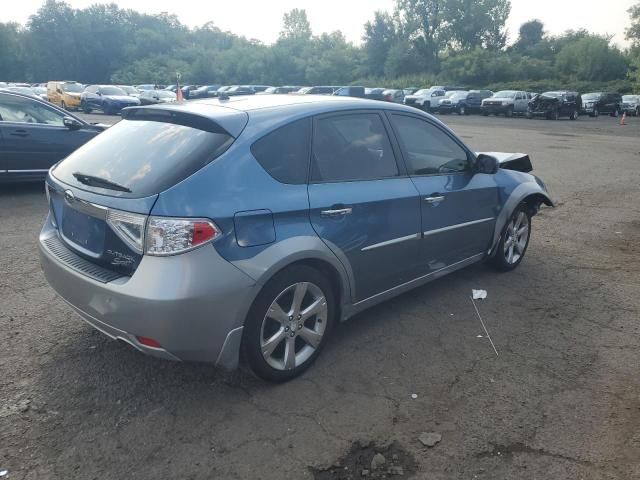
(615, 113)
(307, 337)
(63, 105)
(555, 115)
(574, 115)
(511, 250)
(85, 107)
(529, 115)
(596, 112)
(637, 112)
(485, 114)
(462, 110)
(426, 107)
(509, 113)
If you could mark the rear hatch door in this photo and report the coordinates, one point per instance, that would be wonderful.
(101, 195)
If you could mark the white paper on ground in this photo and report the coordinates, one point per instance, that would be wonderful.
(479, 294)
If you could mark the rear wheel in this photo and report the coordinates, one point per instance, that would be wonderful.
(615, 113)
(596, 112)
(637, 112)
(462, 110)
(554, 115)
(574, 115)
(514, 241)
(289, 323)
(509, 112)
(85, 107)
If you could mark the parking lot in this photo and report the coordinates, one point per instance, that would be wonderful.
(560, 401)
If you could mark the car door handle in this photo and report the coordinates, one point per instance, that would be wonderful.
(338, 212)
(19, 133)
(435, 198)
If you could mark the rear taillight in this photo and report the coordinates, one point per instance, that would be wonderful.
(170, 236)
(129, 227)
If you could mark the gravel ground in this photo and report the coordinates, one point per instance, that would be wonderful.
(561, 401)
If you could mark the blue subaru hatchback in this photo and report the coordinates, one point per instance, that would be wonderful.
(253, 224)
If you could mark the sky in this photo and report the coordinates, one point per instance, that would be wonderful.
(262, 19)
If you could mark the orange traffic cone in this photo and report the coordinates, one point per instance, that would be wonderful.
(623, 120)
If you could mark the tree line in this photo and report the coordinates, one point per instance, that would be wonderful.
(421, 42)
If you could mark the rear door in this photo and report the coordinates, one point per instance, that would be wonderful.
(520, 105)
(458, 207)
(34, 137)
(362, 204)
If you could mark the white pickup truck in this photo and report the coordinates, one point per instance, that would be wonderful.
(426, 98)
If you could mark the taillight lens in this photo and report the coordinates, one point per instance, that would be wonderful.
(129, 227)
(170, 236)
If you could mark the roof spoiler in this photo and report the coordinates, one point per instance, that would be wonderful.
(228, 122)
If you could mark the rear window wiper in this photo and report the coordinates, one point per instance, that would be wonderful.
(94, 181)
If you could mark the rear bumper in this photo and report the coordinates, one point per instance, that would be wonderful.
(193, 304)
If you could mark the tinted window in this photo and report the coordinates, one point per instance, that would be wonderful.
(352, 147)
(284, 153)
(429, 150)
(22, 110)
(145, 156)
(112, 91)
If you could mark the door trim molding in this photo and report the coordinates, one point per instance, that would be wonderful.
(457, 225)
(393, 241)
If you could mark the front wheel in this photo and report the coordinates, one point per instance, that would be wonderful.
(462, 110)
(85, 107)
(509, 113)
(637, 112)
(514, 241)
(615, 113)
(63, 105)
(574, 115)
(289, 323)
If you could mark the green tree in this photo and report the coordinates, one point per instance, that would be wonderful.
(296, 25)
(475, 23)
(531, 34)
(633, 32)
(591, 58)
(12, 54)
(379, 36)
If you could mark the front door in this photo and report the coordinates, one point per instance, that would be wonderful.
(458, 207)
(34, 137)
(361, 205)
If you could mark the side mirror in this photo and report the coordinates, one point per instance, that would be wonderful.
(71, 123)
(487, 164)
(99, 93)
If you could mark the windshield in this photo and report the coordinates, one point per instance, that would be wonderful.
(146, 157)
(304, 89)
(112, 91)
(629, 98)
(164, 94)
(506, 94)
(424, 91)
(129, 90)
(72, 87)
(589, 96)
(552, 94)
(458, 95)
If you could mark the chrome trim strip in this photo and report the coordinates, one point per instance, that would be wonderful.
(418, 280)
(459, 225)
(393, 241)
(83, 206)
(31, 170)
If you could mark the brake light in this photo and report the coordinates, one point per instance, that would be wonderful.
(170, 236)
(149, 342)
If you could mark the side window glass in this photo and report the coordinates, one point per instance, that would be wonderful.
(19, 110)
(284, 153)
(351, 147)
(429, 150)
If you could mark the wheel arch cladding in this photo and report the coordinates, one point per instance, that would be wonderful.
(531, 194)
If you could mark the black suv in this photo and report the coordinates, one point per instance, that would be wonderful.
(553, 105)
(473, 102)
(593, 104)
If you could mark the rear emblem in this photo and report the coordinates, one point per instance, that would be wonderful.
(69, 196)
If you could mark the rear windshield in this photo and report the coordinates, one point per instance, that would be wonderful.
(145, 157)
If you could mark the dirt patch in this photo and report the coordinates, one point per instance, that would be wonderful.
(391, 461)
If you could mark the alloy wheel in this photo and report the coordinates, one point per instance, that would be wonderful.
(516, 238)
(293, 326)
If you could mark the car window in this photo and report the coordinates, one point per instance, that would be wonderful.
(284, 153)
(352, 147)
(429, 150)
(23, 110)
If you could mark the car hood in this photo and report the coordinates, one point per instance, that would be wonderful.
(512, 161)
(73, 94)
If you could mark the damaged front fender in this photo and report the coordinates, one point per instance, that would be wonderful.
(512, 161)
